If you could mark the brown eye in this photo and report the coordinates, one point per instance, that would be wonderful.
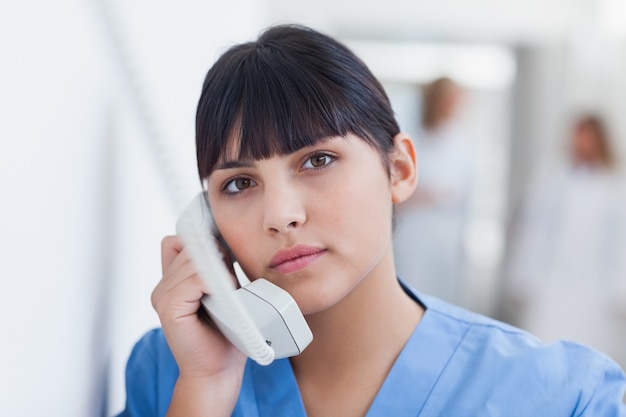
(318, 161)
(242, 183)
(237, 185)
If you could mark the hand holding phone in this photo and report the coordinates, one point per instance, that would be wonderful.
(210, 368)
(260, 319)
(199, 349)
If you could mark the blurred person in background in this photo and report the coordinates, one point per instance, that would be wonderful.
(428, 238)
(565, 270)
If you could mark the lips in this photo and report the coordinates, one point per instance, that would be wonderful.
(295, 258)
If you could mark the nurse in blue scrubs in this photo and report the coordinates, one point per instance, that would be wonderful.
(303, 162)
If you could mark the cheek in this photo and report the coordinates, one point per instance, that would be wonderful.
(363, 205)
(234, 230)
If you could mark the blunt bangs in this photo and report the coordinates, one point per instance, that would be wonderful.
(289, 90)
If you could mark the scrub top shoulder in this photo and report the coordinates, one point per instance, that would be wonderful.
(456, 363)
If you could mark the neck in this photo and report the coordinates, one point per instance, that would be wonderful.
(356, 342)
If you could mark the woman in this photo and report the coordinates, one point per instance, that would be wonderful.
(303, 162)
(568, 247)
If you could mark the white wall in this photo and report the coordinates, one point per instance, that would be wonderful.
(54, 222)
(84, 202)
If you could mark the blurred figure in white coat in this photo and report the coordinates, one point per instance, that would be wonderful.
(566, 271)
(429, 231)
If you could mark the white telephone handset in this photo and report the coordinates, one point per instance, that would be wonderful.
(260, 319)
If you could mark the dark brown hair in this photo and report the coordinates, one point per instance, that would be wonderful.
(289, 89)
(596, 125)
(435, 99)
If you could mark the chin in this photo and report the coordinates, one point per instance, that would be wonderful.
(318, 298)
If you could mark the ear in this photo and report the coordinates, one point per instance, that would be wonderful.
(403, 166)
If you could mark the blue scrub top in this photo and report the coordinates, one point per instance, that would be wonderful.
(456, 363)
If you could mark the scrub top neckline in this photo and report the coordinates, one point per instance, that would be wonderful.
(277, 392)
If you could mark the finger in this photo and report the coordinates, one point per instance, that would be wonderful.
(174, 247)
(179, 301)
(171, 246)
(185, 286)
(175, 276)
(174, 255)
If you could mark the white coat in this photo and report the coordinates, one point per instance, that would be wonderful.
(567, 261)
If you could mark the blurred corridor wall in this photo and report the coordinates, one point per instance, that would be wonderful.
(555, 82)
(83, 202)
(54, 164)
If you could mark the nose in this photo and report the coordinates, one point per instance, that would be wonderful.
(283, 208)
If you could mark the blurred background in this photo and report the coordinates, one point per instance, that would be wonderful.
(519, 213)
